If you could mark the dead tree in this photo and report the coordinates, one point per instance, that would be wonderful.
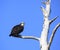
(44, 43)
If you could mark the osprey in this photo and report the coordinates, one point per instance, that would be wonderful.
(16, 30)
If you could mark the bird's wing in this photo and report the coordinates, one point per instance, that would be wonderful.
(15, 29)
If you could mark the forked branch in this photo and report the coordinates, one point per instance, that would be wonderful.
(46, 11)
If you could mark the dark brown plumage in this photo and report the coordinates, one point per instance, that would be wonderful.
(16, 30)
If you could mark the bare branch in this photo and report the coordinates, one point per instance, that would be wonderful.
(47, 2)
(27, 37)
(53, 19)
(30, 37)
(53, 33)
(44, 11)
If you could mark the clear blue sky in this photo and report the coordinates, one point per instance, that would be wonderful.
(12, 12)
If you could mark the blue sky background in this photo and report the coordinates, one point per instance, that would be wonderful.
(12, 12)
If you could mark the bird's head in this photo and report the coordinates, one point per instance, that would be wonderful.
(22, 23)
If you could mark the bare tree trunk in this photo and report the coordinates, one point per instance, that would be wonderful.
(44, 35)
(44, 44)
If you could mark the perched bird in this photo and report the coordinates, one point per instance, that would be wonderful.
(16, 30)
